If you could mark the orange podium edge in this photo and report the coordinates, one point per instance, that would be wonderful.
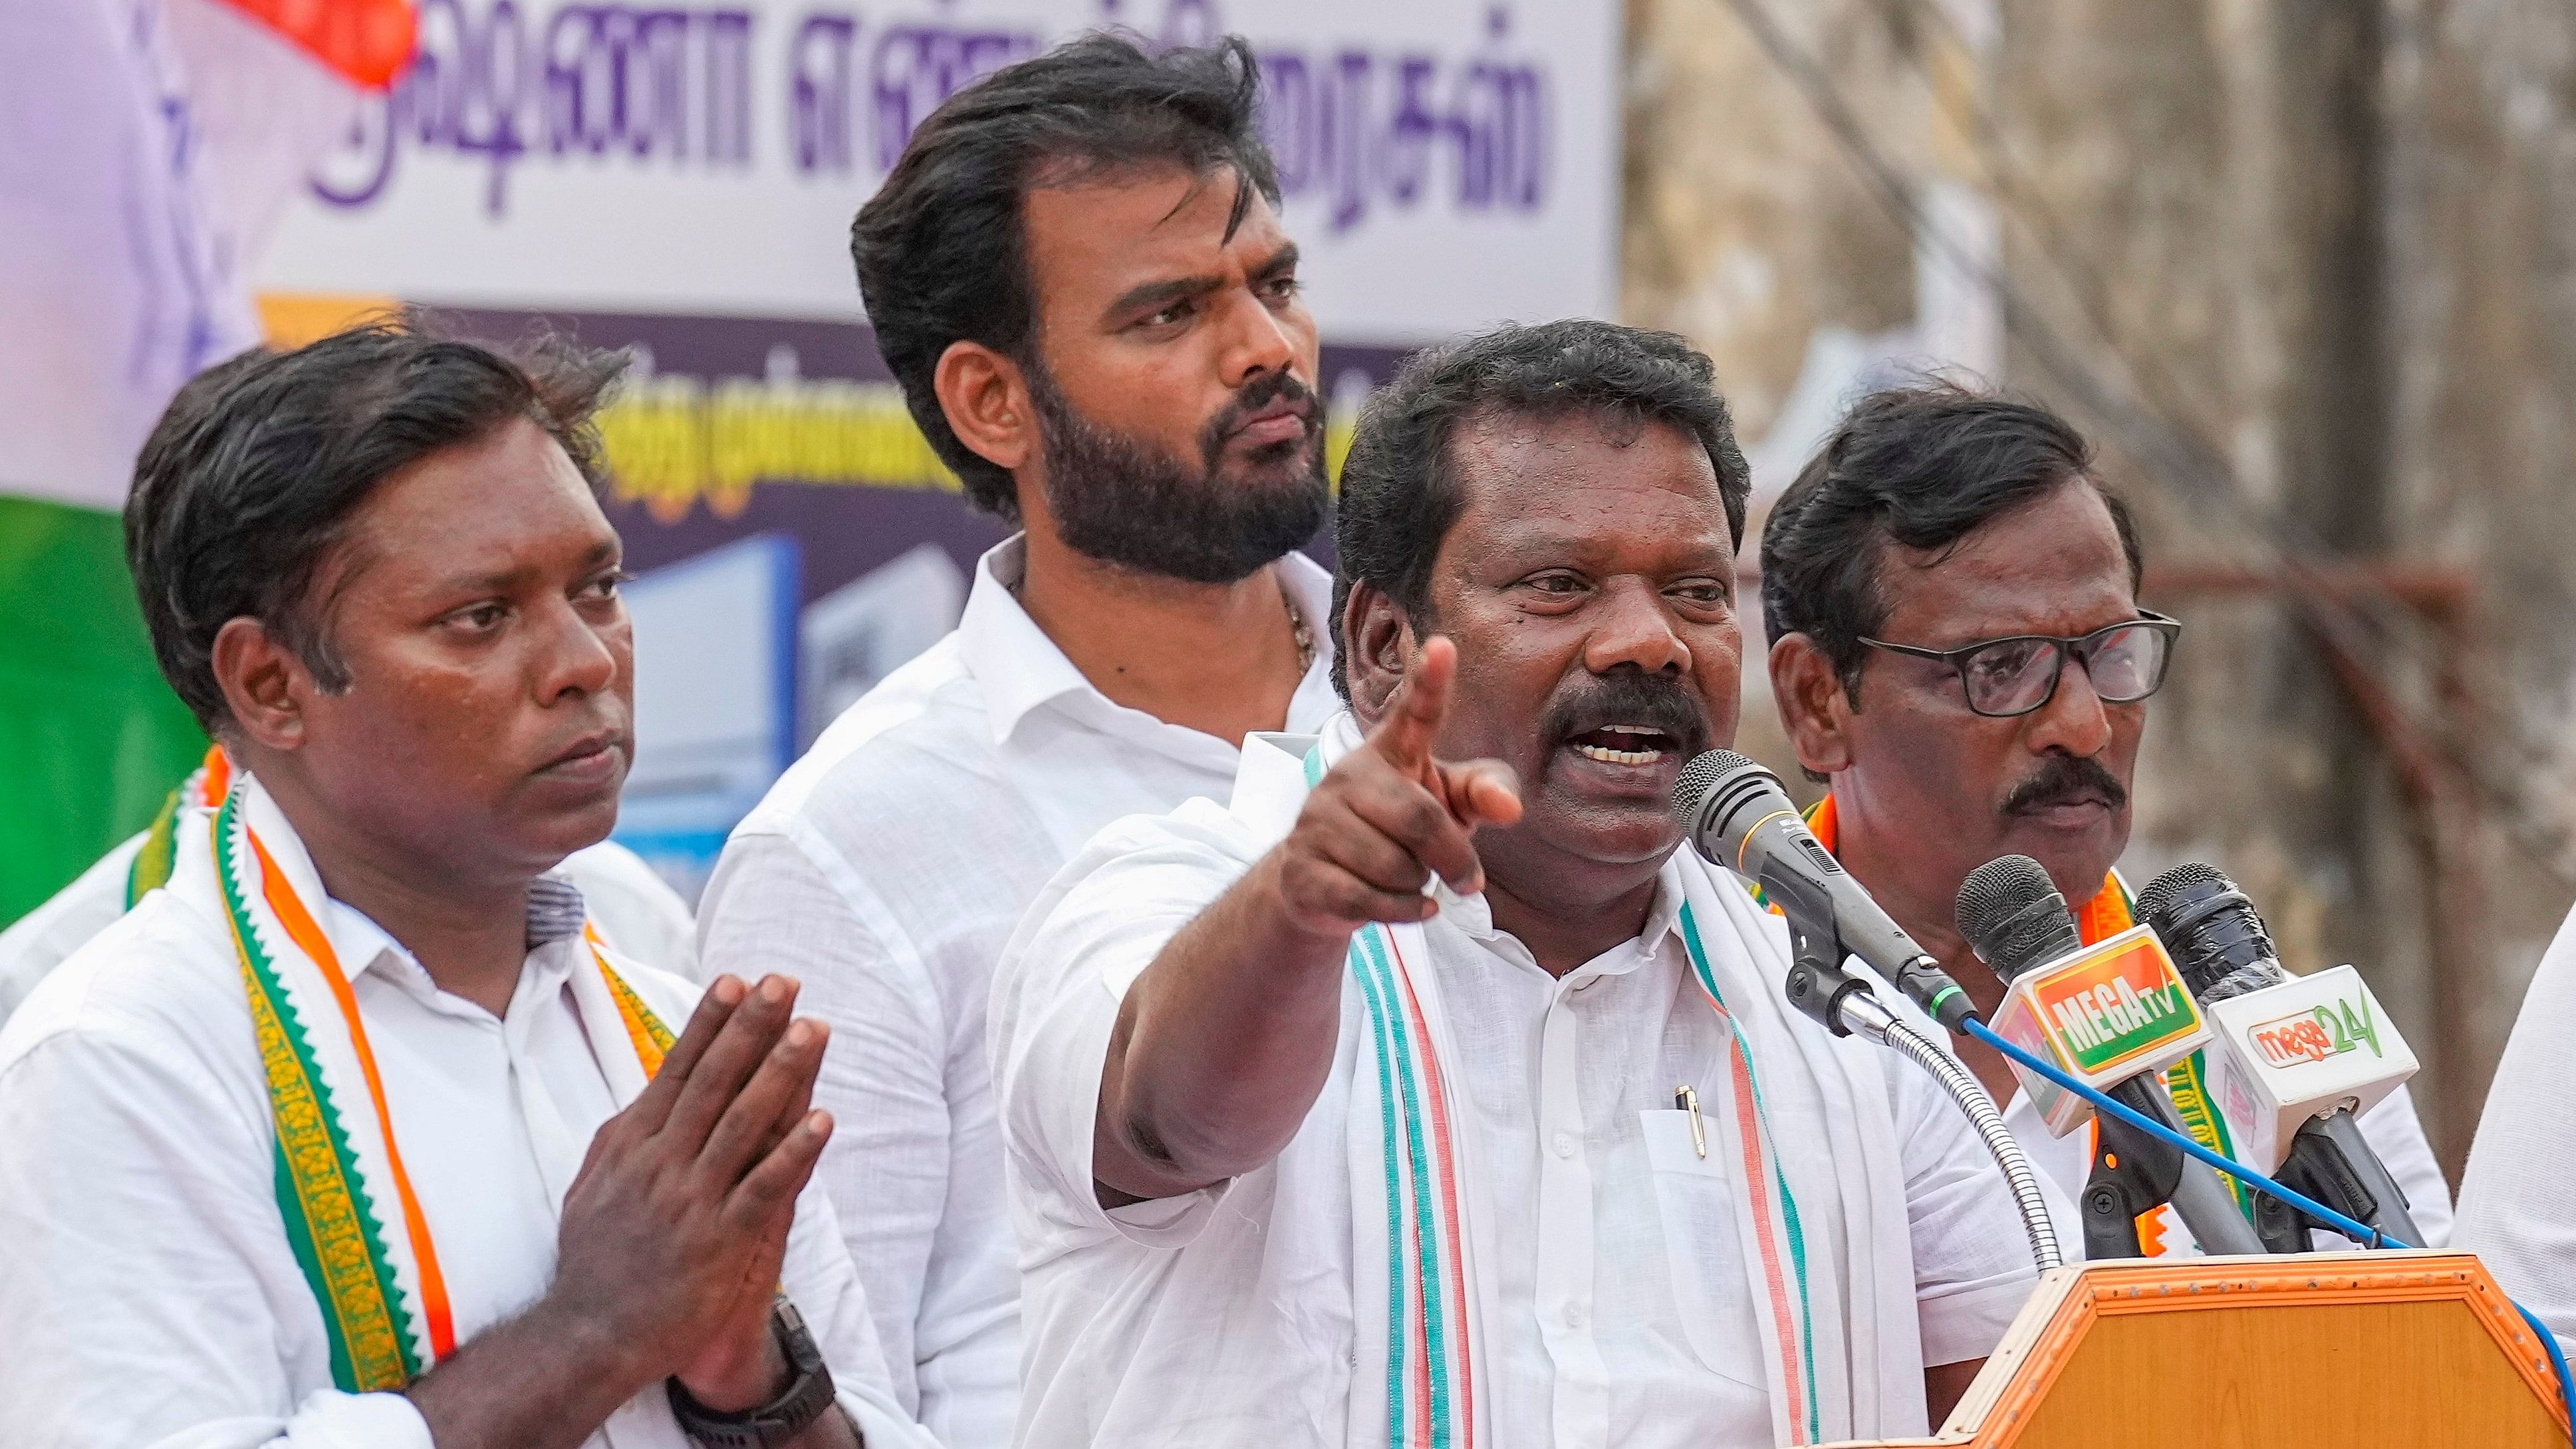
(2326, 1349)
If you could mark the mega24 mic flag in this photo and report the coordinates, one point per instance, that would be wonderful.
(146, 149)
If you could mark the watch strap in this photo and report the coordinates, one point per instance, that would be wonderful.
(808, 1394)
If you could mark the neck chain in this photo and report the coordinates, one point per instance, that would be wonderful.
(1297, 630)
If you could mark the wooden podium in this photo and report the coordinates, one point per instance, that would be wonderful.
(2321, 1351)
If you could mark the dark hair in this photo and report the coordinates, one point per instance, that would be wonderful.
(256, 468)
(1400, 489)
(941, 250)
(1922, 467)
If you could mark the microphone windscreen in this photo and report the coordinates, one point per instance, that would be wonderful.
(2213, 932)
(1701, 775)
(2012, 914)
(2156, 903)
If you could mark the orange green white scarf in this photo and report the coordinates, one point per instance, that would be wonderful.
(202, 790)
(351, 1216)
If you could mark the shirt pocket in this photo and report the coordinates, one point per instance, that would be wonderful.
(1698, 1200)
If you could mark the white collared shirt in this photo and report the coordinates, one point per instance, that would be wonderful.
(2515, 1208)
(640, 917)
(886, 869)
(148, 1290)
(1225, 1316)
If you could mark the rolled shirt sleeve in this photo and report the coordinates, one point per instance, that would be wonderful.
(1056, 999)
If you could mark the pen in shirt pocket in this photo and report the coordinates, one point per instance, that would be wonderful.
(1686, 1099)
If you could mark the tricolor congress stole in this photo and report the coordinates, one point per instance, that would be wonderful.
(1433, 1320)
(340, 1176)
(1791, 1324)
(205, 788)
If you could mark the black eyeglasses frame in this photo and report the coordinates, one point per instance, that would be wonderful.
(2069, 646)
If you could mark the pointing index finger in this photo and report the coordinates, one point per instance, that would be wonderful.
(1421, 703)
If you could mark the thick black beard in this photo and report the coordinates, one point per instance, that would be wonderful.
(1127, 503)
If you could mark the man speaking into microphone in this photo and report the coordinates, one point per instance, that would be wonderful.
(1958, 652)
(1410, 1101)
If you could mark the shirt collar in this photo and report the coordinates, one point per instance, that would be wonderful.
(1013, 660)
(1473, 917)
(1019, 668)
(556, 912)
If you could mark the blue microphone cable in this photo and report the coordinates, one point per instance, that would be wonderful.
(2344, 1225)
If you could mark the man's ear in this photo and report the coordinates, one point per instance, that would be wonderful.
(1814, 709)
(1379, 643)
(986, 399)
(264, 683)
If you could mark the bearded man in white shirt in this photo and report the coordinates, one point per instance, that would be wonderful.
(1405, 1101)
(353, 1134)
(1957, 651)
(1078, 275)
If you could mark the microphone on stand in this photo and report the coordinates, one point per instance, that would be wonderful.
(2298, 1057)
(2115, 1014)
(1734, 812)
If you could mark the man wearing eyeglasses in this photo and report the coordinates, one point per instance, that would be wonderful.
(1958, 652)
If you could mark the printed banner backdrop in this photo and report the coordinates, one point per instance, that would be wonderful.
(146, 149)
(680, 180)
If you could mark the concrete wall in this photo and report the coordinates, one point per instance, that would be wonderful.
(2306, 271)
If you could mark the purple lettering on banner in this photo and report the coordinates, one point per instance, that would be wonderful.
(1289, 119)
(1410, 129)
(1354, 129)
(818, 119)
(1360, 129)
(645, 83)
(1347, 139)
(915, 67)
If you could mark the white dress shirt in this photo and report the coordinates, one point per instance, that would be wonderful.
(2516, 1211)
(641, 918)
(886, 869)
(1225, 1316)
(148, 1291)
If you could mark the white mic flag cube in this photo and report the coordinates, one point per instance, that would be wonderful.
(2298, 1050)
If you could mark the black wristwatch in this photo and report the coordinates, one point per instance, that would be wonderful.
(803, 1401)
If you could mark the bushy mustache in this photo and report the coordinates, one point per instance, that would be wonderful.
(1629, 695)
(2062, 778)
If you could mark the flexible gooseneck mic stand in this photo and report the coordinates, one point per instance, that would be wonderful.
(1843, 1003)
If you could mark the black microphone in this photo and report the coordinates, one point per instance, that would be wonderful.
(1735, 812)
(2017, 920)
(2281, 1056)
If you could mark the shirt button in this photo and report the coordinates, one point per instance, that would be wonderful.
(1565, 1144)
(1574, 1319)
